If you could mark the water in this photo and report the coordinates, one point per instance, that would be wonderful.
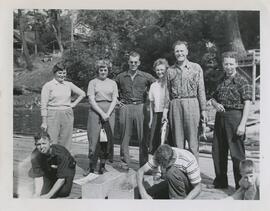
(28, 122)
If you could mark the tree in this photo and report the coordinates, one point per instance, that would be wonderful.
(25, 48)
(55, 23)
(234, 38)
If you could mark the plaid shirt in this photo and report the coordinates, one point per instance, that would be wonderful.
(232, 92)
(187, 82)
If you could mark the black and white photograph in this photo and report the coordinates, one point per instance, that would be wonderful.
(134, 104)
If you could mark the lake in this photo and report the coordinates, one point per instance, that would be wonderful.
(27, 121)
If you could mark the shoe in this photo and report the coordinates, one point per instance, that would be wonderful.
(89, 170)
(101, 168)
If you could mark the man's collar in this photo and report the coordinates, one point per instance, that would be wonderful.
(186, 64)
(138, 72)
(235, 78)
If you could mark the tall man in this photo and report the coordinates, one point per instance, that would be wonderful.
(232, 101)
(133, 85)
(188, 102)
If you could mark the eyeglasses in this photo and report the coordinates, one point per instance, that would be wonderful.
(131, 62)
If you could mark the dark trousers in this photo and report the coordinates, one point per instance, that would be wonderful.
(155, 136)
(94, 126)
(175, 186)
(225, 138)
(63, 191)
(130, 116)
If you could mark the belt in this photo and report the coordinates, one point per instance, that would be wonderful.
(186, 97)
(134, 103)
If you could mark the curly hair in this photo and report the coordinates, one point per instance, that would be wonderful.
(164, 155)
(103, 63)
(160, 61)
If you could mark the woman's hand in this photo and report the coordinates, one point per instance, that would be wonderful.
(44, 126)
(164, 118)
(105, 117)
(150, 123)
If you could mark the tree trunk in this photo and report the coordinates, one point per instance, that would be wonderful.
(73, 18)
(24, 44)
(36, 34)
(233, 33)
(56, 29)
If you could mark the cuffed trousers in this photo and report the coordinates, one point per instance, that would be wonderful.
(184, 120)
(60, 126)
(133, 115)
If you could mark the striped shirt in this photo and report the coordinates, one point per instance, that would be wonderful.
(185, 161)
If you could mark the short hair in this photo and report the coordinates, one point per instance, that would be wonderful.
(42, 134)
(103, 63)
(180, 42)
(58, 67)
(160, 61)
(163, 155)
(134, 54)
(247, 165)
(230, 54)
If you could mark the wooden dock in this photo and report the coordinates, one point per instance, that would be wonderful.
(23, 185)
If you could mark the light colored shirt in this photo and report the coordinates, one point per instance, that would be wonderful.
(185, 161)
(55, 95)
(102, 90)
(157, 95)
(187, 81)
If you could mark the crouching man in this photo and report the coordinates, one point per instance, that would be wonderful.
(53, 168)
(180, 171)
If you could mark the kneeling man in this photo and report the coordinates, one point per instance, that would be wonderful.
(53, 168)
(180, 171)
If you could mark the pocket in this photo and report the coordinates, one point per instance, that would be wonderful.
(51, 115)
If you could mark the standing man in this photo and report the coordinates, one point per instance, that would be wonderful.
(133, 85)
(188, 103)
(231, 100)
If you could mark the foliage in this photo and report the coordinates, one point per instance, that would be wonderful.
(114, 33)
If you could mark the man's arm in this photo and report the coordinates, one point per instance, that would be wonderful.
(57, 185)
(197, 188)
(139, 177)
(38, 182)
(242, 126)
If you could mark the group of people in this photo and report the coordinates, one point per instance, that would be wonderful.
(177, 96)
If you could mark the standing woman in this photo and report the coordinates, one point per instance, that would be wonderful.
(102, 93)
(56, 106)
(158, 98)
